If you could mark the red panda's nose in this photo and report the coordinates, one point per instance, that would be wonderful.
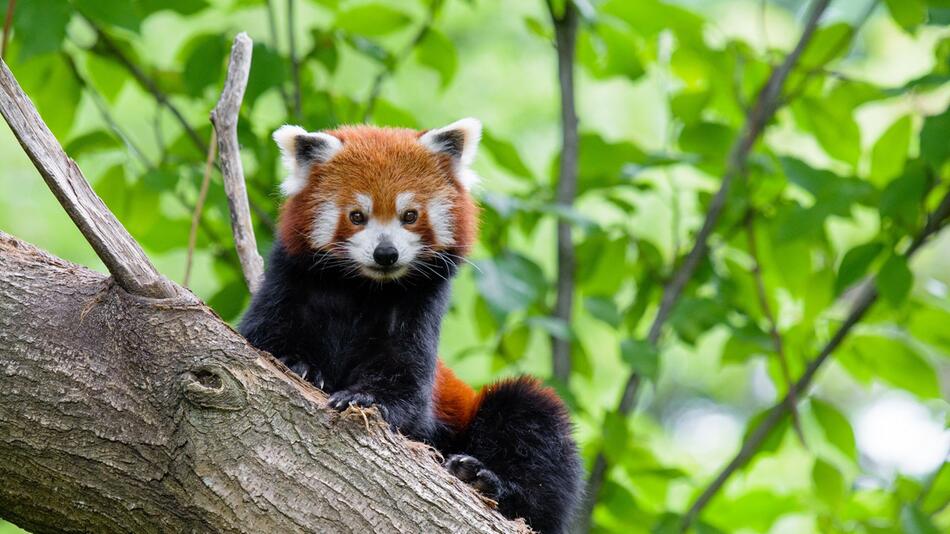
(385, 254)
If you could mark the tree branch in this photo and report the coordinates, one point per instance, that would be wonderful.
(774, 333)
(865, 297)
(767, 102)
(124, 414)
(565, 29)
(112, 396)
(224, 117)
(124, 258)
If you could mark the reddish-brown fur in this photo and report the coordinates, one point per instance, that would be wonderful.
(379, 162)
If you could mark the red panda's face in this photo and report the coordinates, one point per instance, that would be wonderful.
(380, 201)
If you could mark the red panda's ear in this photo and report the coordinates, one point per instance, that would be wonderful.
(460, 141)
(299, 151)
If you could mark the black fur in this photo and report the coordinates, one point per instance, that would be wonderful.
(370, 343)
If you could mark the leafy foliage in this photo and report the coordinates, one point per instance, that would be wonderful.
(837, 188)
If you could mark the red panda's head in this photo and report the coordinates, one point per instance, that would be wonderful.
(381, 200)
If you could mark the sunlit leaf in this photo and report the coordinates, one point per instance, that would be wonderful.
(437, 52)
(641, 356)
(372, 19)
(890, 151)
(835, 426)
(908, 14)
(895, 280)
(505, 155)
(35, 38)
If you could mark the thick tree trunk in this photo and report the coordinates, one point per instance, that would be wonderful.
(121, 413)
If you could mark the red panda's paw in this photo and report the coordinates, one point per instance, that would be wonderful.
(308, 373)
(473, 472)
(343, 399)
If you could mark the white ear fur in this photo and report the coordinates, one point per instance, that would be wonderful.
(459, 140)
(299, 150)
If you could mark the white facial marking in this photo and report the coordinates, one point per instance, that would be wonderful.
(365, 203)
(363, 243)
(324, 224)
(441, 220)
(403, 202)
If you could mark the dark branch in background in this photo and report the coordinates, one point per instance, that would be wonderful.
(294, 62)
(199, 206)
(866, 296)
(272, 26)
(767, 102)
(11, 7)
(403, 54)
(224, 117)
(773, 325)
(565, 37)
(124, 258)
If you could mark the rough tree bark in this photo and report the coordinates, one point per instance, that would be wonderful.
(127, 405)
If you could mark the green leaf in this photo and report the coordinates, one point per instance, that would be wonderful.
(890, 151)
(610, 50)
(616, 436)
(40, 26)
(745, 343)
(828, 43)
(106, 76)
(895, 280)
(913, 521)
(774, 439)
(509, 282)
(52, 86)
(372, 20)
(122, 13)
(934, 148)
(230, 299)
(693, 316)
(268, 71)
(604, 309)
(437, 52)
(855, 264)
(92, 142)
(908, 14)
(836, 427)
(505, 155)
(641, 356)
(829, 483)
(902, 199)
(514, 343)
(833, 126)
(870, 356)
(204, 64)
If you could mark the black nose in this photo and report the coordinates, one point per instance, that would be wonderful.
(385, 255)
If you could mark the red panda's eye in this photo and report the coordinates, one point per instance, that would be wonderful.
(357, 217)
(410, 216)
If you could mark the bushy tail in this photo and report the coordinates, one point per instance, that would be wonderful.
(521, 434)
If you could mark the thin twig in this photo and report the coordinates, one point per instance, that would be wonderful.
(11, 7)
(767, 102)
(120, 253)
(865, 297)
(294, 62)
(565, 29)
(199, 206)
(224, 117)
(376, 89)
(774, 333)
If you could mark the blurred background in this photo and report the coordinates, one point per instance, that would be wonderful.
(835, 190)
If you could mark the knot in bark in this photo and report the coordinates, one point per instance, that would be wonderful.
(213, 386)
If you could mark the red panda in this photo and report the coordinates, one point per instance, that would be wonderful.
(376, 223)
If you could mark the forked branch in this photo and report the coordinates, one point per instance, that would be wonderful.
(224, 117)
